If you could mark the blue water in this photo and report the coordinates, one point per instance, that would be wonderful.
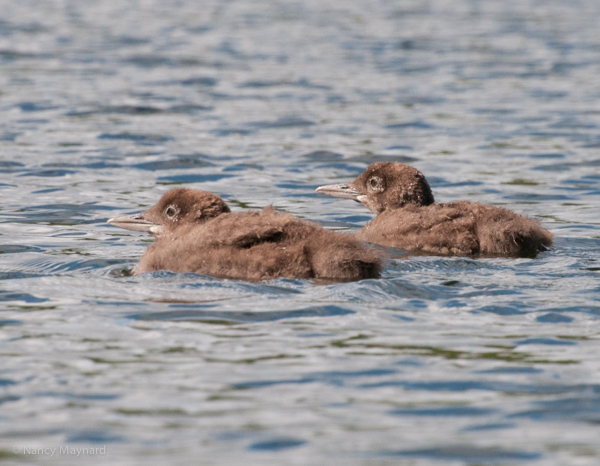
(106, 105)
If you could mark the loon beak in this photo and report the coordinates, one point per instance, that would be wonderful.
(135, 222)
(341, 190)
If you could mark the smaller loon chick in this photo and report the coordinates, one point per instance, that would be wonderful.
(196, 232)
(408, 217)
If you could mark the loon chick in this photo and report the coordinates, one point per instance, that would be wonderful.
(408, 217)
(196, 232)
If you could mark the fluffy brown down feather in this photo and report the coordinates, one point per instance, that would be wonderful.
(460, 228)
(204, 237)
(408, 217)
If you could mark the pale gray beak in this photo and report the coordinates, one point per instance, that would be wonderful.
(340, 190)
(135, 222)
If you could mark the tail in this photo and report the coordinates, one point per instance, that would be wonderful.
(342, 257)
(536, 240)
(514, 235)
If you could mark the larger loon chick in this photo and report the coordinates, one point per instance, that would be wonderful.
(196, 232)
(408, 217)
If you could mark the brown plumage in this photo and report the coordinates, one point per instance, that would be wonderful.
(196, 232)
(408, 217)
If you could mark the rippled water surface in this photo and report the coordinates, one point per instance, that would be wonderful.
(106, 105)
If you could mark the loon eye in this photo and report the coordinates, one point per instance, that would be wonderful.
(171, 211)
(376, 184)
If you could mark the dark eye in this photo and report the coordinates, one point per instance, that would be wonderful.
(376, 184)
(171, 211)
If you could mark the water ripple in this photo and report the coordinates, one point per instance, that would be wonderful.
(106, 105)
(214, 316)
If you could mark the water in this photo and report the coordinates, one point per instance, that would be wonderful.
(106, 105)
